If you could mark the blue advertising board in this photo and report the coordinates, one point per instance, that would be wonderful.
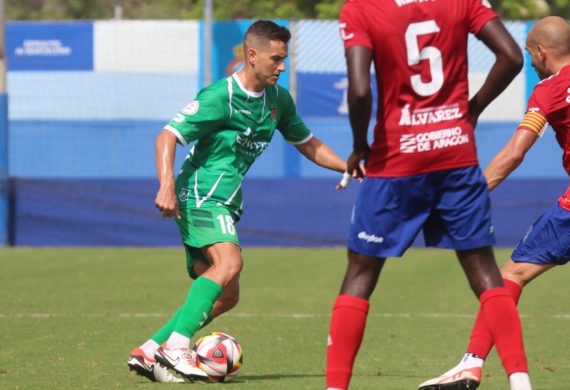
(325, 94)
(49, 46)
(322, 95)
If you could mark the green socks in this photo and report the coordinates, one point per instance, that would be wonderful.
(195, 312)
(164, 333)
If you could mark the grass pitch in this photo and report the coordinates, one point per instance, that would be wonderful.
(69, 317)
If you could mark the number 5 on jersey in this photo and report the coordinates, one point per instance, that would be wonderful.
(430, 53)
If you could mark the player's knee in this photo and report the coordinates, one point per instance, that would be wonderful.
(363, 267)
(234, 267)
(226, 271)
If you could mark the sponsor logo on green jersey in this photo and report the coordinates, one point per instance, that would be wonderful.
(247, 145)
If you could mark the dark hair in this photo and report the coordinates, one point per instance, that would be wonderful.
(268, 30)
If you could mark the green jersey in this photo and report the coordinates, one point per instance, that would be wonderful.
(231, 127)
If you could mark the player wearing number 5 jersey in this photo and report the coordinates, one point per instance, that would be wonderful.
(421, 170)
(231, 122)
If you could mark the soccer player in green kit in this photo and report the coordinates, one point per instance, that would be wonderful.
(231, 122)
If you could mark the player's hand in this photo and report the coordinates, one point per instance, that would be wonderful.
(166, 202)
(347, 177)
(354, 165)
(344, 181)
(355, 169)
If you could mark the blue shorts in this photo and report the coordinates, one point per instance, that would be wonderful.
(547, 241)
(452, 207)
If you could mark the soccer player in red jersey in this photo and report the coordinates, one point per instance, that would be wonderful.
(547, 242)
(422, 170)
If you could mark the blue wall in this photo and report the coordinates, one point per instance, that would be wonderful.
(281, 212)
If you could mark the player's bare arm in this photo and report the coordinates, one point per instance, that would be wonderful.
(321, 154)
(508, 63)
(510, 157)
(358, 61)
(165, 151)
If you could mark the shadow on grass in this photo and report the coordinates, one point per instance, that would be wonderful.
(391, 374)
(268, 377)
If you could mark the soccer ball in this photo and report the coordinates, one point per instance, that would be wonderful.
(219, 355)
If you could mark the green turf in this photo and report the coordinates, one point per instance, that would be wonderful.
(69, 317)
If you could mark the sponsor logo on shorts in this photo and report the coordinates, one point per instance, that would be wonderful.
(370, 238)
(433, 140)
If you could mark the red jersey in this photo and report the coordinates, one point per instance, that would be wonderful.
(420, 59)
(550, 104)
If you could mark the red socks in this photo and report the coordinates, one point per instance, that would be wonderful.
(498, 322)
(514, 289)
(481, 340)
(345, 336)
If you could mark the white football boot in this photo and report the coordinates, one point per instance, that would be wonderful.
(464, 376)
(148, 367)
(181, 360)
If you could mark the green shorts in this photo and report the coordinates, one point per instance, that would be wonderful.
(202, 227)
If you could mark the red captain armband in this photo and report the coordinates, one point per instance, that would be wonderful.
(564, 200)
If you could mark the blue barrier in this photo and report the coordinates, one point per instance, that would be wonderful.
(278, 212)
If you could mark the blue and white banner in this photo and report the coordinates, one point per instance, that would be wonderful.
(324, 94)
(321, 94)
(49, 46)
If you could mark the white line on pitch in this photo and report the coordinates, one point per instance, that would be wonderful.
(261, 315)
